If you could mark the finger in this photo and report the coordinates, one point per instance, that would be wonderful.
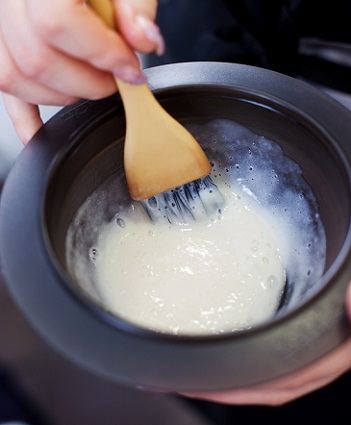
(348, 301)
(290, 387)
(265, 396)
(73, 28)
(13, 82)
(24, 116)
(135, 20)
(42, 64)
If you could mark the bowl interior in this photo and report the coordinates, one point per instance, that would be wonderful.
(96, 155)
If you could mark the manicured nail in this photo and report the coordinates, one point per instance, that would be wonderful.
(152, 33)
(130, 75)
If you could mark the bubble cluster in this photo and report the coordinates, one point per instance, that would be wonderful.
(259, 169)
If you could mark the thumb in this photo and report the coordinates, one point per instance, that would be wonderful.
(135, 20)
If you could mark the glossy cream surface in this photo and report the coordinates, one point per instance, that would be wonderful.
(210, 276)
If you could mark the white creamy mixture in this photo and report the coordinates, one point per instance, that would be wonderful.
(207, 277)
(216, 268)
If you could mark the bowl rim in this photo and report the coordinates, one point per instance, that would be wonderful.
(60, 333)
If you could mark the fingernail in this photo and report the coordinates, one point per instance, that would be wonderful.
(130, 75)
(152, 33)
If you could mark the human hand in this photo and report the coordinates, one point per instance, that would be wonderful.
(56, 52)
(291, 387)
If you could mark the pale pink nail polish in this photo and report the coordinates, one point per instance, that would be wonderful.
(152, 33)
(130, 75)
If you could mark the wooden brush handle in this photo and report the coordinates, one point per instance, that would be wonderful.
(133, 96)
(104, 9)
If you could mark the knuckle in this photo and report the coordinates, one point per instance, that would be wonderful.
(32, 64)
(47, 25)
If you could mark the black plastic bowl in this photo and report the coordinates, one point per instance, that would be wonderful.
(83, 145)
